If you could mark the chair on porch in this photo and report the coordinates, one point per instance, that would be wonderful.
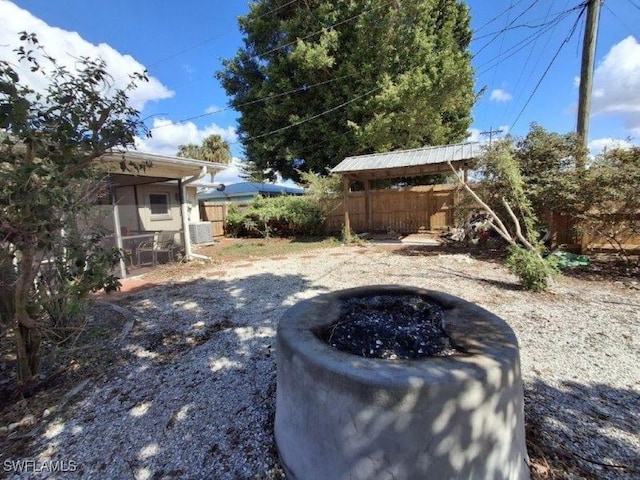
(162, 242)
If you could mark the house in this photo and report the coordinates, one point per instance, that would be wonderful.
(159, 198)
(244, 192)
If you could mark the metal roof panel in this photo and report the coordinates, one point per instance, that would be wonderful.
(409, 158)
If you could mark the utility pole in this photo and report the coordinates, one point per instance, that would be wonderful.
(490, 132)
(586, 76)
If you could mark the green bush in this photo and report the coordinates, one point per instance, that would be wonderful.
(535, 273)
(79, 265)
(234, 221)
(283, 216)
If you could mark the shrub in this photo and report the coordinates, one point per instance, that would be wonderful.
(79, 265)
(233, 224)
(535, 272)
(284, 216)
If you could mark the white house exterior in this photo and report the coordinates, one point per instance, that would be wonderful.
(158, 198)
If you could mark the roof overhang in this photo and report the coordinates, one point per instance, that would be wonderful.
(161, 167)
(409, 163)
(406, 172)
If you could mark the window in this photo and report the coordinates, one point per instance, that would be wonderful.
(159, 206)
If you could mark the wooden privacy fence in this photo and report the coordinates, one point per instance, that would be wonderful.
(216, 213)
(412, 209)
(422, 208)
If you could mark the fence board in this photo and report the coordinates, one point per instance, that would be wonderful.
(410, 210)
(216, 213)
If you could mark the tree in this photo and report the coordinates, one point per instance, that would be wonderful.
(548, 164)
(505, 197)
(213, 149)
(49, 178)
(319, 80)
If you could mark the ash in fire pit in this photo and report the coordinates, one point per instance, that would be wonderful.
(390, 327)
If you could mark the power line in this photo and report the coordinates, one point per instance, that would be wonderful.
(534, 37)
(495, 71)
(634, 4)
(303, 87)
(512, 6)
(210, 39)
(516, 90)
(259, 100)
(527, 40)
(313, 117)
(508, 26)
(623, 23)
(564, 42)
(317, 32)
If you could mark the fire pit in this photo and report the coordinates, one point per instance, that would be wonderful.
(373, 411)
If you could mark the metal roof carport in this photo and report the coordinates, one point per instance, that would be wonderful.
(399, 164)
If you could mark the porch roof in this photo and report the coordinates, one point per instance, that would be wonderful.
(162, 166)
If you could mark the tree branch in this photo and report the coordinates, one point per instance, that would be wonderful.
(519, 234)
(500, 228)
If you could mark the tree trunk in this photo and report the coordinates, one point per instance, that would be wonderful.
(26, 328)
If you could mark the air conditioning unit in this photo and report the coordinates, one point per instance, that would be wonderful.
(201, 232)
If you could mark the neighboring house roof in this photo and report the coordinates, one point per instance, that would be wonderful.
(163, 166)
(244, 189)
(406, 159)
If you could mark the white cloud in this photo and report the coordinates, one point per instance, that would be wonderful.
(477, 135)
(499, 95)
(213, 109)
(473, 135)
(616, 87)
(231, 174)
(598, 145)
(66, 47)
(168, 136)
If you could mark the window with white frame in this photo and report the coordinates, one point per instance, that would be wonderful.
(160, 206)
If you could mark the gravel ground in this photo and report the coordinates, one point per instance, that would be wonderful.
(195, 397)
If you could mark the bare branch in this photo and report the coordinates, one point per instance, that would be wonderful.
(498, 226)
(519, 234)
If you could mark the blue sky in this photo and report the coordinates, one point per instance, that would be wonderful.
(181, 44)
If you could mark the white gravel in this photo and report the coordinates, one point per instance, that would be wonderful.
(195, 397)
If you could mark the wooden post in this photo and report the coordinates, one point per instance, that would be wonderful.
(368, 206)
(345, 201)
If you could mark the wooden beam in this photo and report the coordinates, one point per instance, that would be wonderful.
(347, 222)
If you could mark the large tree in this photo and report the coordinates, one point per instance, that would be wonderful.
(318, 80)
(213, 149)
(51, 143)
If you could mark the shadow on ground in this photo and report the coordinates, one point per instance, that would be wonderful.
(190, 393)
(563, 423)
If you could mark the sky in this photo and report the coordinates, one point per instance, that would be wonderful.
(526, 56)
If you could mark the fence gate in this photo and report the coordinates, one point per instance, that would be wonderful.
(216, 213)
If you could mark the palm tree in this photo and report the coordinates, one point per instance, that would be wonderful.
(213, 149)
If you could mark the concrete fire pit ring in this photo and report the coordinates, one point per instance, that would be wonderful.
(342, 416)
